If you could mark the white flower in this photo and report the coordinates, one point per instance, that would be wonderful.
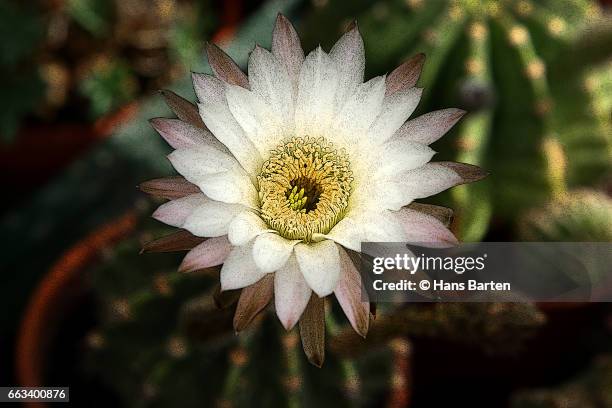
(298, 162)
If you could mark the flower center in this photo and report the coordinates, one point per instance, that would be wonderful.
(304, 187)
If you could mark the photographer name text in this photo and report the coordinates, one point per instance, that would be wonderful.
(440, 285)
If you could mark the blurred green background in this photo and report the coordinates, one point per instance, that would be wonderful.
(79, 80)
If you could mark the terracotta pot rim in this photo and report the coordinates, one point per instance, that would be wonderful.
(31, 340)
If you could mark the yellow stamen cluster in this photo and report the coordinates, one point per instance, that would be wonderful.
(304, 187)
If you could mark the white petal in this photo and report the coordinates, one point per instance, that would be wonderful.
(291, 293)
(348, 55)
(424, 229)
(401, 155)
(216, 114)
(239, 269)
(208, 88)
(361, 109)
(218, 175)
(380, 226)
(212, 218)
(194, 164)
(233, 187)
(346, 233)
(260, 123)
(396, 109)
(320, 265)
(271, 251)
(182, 135)
(270, 80)
(246, 226)
(401, 189)
(315, 102)
(429, 127)
(177, 211)
(211, 252)
(287, 49)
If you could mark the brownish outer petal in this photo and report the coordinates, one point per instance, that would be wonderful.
(183, 109)
(468, 172)
(225, 68)
(312, 330)
(180, 240)
(406, 75)
(169, 188)
(253, 300)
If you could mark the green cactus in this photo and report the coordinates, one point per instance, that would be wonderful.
(524, 69)
(581, 216)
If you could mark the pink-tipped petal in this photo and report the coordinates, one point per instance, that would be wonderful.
(271, 82)
(349, 56)
(442, 214)
(399, 156)
(291, 293)
(396, 191)
(429, 127)
(396, 109)
(211, 252)
(176, 212)
(182, 135)
(224, 67)
(349, 295)
(216, 115)
(287, 49)
(424, 229)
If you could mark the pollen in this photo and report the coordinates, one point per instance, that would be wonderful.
(304, 187)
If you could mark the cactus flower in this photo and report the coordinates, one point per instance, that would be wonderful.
(287, 170)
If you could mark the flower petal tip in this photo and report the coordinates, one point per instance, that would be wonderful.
(282, 19)
(316, 361)
(454, 115)
(351, 26)
(185, 267)
(155, 122)
(459, 113)
(224, 67)
(406, 75)
(289, 324)
(468, 172)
